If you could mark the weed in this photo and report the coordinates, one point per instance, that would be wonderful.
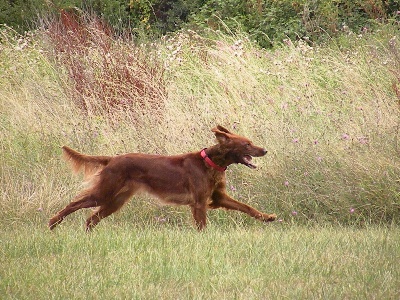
(105, 74)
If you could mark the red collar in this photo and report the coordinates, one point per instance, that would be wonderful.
(210, 162)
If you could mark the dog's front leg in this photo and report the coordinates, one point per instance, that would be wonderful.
(199, 211)
(222, 200)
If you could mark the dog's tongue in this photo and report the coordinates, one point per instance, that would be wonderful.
(247, 161)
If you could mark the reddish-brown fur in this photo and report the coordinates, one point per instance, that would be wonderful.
(185, 179)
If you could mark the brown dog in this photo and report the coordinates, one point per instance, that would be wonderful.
(196, 179)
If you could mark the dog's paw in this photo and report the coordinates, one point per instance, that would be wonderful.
(54, 221)
(268, 218)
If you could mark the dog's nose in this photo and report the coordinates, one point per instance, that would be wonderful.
(264, 151)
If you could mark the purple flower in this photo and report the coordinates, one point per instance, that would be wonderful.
(286, 183)
(319, 158)
(352, 210)
(296, 140)
(233, 189)
(280, 220)
(363, 140)
(345, 136)
(294, 213)
(315, 142)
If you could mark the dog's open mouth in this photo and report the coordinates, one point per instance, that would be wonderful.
(247, 161)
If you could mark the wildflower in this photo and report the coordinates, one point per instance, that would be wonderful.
(233, 189)
(288, 42)
(315, 142)
(363, 140)
(160, 219)
(280, 220)
(352, 210)
(345, 136)
(296, 140)
(286, 183)
(294, 213)
(319, 158)
(40, 209)
(238, 43)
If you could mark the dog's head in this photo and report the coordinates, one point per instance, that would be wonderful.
(237, 149)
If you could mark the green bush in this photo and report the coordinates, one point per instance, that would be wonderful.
(20, 14)
(268, 22)
(271, 22)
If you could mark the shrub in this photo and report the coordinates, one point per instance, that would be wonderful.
(267, 22)
(20, 14)
(270, 22)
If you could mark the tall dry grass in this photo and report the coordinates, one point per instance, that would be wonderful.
(328, 115)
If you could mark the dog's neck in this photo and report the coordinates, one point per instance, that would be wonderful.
(215, 158)
(210, 162)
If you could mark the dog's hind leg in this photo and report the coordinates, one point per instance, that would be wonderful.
(107, 209)
(85, 200)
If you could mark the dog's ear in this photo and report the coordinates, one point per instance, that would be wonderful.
(223, 129)
(221, 135)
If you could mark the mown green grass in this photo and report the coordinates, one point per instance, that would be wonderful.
(121, 261)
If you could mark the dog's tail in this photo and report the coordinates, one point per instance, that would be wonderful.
(88, 163)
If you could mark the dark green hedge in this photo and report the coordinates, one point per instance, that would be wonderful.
(267, 22)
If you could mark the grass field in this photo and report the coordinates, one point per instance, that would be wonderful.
(328, 115)
(121, 261)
